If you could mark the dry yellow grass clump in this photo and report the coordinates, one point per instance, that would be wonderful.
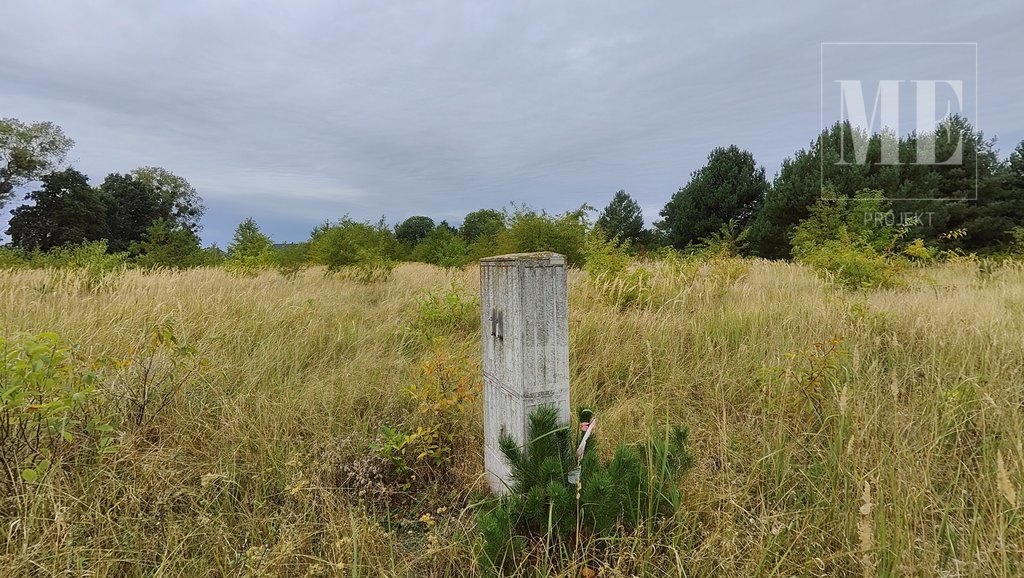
(836, 433)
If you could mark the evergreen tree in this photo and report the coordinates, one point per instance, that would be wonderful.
(249, 242)
(167, 245)
(622, 219)
(730, 187)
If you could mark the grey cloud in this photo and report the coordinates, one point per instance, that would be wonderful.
(296, 112)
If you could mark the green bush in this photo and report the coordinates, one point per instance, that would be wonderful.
(250, 251)
(605, 257)
(443, 248)
(291, 258)
(855, 265)
(45, 394)
(13, 258)
(365, 252)
(167, 245)
(838, 240)
(447, 312)
(530, 231)
(88, 265)
(555, 496)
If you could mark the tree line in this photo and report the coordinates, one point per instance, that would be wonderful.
(155, 215)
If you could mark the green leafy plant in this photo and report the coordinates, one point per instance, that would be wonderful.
(250, 250)
(165, 244)
(45, 396)
(838, 240)
(445, 312)
(360, 251)
(529, 231)
(446, 386)
(13, 258)
(87, 266)
(556, 495)
(291, 258)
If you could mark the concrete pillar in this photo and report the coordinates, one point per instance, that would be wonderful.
(525, 319)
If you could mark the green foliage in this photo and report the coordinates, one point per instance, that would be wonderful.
(530, 231)
(443, 248)
(413, 230)
(622, 219)
(291, 258)
(452, 311)
(481, 225)
(445, 389)
(604, 256)
(725, 242)
(730, 187)
(619, 280)
(1016, 246)
(13, 258)
(167, 245)
(800, 183)
(125, 211)
(250, 251)
(555, 495)
(132, 207)
(89, 266)
(841, 238)
(180, 204)
(835, 215)
(64, 211)
(45, 398)
(364, 252)
(27, 152)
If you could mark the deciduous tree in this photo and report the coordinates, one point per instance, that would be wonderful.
(414, 229)
(27, 152)
(65, 210)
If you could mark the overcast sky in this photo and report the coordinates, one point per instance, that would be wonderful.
(300, 111)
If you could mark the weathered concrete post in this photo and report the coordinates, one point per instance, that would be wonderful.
(525, 322)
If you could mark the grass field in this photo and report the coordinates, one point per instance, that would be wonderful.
(836, 433)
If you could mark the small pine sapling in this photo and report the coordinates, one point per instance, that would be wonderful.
(557, 492)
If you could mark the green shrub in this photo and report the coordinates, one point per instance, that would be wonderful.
(441, 247)
(13, 258)
(447, 312)
(838, 240)
(605, 257)
(530, 231)
(364, 252)
(88, 265)
(45, 398)
(852, 264)
(291, 258)
(250, 251)
(166, 245)
(555, 496)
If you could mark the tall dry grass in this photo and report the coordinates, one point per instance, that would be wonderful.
(837, 433)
